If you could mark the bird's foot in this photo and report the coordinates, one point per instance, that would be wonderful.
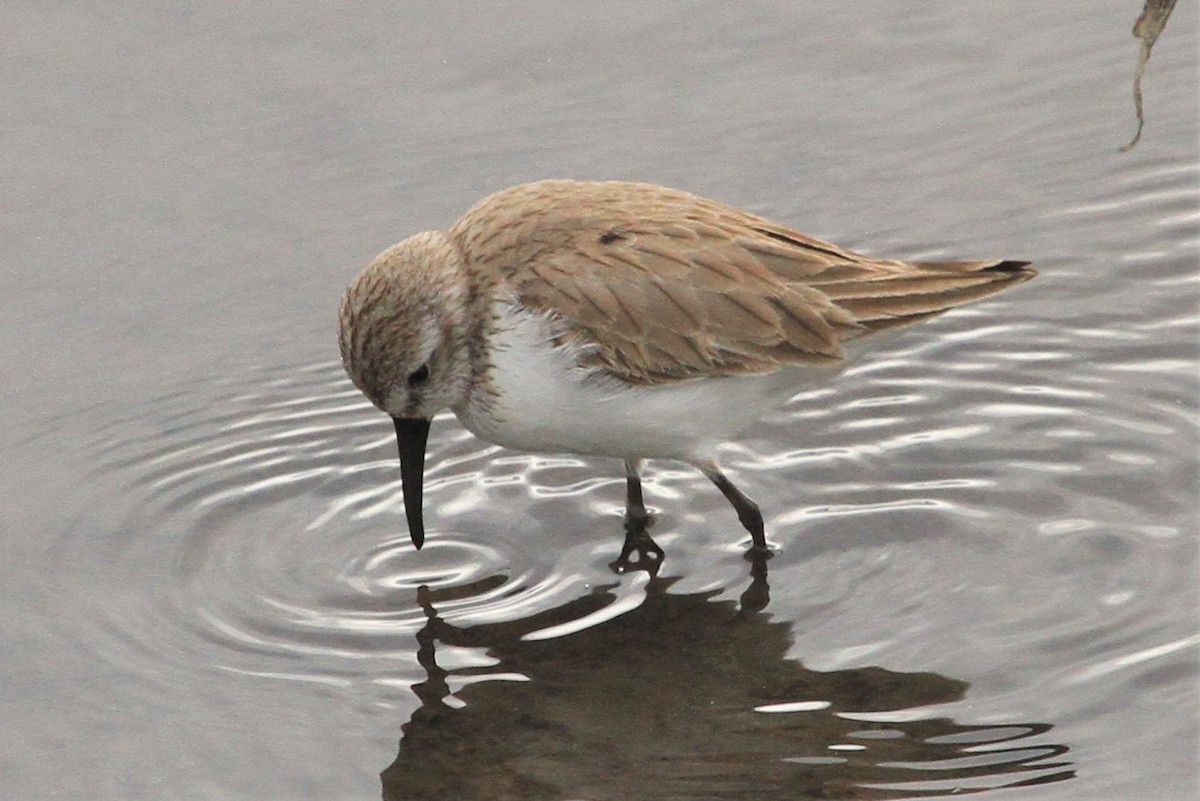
(758, 594)
(639, 553)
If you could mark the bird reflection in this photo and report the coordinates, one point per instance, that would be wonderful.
(685, 697)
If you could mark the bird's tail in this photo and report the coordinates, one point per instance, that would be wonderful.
(910, 292)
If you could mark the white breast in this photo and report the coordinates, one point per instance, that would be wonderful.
(546, 402)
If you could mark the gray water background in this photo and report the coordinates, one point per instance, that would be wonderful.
(204, 582)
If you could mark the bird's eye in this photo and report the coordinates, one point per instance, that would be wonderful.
(418, 376)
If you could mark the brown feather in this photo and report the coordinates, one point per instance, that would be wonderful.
(655, 285)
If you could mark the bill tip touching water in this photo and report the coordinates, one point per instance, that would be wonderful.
(625, 320)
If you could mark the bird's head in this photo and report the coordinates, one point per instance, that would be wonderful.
(404, 325)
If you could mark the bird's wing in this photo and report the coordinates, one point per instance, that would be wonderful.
(656, 285)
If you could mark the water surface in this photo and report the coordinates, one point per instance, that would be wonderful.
(987, 575)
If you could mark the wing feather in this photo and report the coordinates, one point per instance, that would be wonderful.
(656, 285)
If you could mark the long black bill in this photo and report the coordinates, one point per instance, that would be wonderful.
(411, 435)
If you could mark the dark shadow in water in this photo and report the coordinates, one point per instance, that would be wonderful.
(660, 703)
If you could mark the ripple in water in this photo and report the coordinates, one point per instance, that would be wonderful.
(261, 533)
(264, 533)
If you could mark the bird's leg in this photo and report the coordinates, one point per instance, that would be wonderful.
(645, 551)
(747, 510)
(636, 517)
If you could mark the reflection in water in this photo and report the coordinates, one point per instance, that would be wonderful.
(686, 697)
(1149, 25)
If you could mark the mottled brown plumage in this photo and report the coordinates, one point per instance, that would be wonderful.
(657, 285)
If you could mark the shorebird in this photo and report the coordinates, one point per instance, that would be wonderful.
(622, 319)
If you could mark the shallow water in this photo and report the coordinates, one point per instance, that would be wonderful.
(987, 573)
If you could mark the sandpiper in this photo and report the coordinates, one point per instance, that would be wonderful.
(621, 319)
